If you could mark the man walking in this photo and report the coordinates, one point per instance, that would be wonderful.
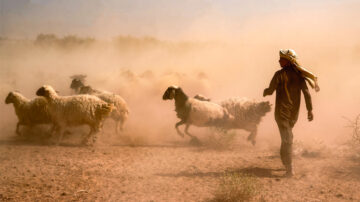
(288, 83)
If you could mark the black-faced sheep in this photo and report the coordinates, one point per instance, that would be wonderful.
(192, 111)
(74, 111)
(241, 113)
(78, 84)
(29, 112)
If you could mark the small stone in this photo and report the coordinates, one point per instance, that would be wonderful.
(63, 194)
(339, 195)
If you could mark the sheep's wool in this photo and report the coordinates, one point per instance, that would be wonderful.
(31, 112)
(121, 110)
(204, 113)
(246, 112)
(77, 109)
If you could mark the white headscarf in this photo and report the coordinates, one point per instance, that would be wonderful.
(290, 55)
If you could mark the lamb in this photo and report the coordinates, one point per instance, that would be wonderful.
(75, 111)
(120, 111)
(29, 112)
(247, 113)
(192, 111)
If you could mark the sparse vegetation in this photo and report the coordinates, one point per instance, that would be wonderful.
(355, 125)
(236, 187)
(65, 42)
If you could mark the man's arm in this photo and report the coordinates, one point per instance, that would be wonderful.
(307, 97)
(273, 85)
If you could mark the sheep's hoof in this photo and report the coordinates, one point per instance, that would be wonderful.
(86, 142)
(252, 140)
(195, 141)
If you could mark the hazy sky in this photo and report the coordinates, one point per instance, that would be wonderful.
(159, 18)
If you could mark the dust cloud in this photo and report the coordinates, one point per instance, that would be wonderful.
(236, 62)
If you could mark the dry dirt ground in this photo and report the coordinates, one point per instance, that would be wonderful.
(173, 171)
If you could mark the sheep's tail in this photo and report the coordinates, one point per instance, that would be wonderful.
(104, 110)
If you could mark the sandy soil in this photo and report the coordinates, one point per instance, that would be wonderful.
(173, 171)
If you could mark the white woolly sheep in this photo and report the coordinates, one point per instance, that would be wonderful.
(120, 111)
(247, 113)
(29, 112)
(74, 111)
(192, 111)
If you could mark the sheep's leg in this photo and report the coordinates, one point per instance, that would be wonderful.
(17, 131)
(85, 141)
(177, 128)
(187, 131)
(119, 126)
(194, 140)
(95, 135)
(61, 135)
(252, 136)
(91, 137)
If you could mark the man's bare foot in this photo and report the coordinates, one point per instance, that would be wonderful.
(289, 171)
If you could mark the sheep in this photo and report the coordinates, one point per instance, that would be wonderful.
(247, 113)
(120, 111)
(29, 112)
(75, 110)
(192, 111)
(78, 83)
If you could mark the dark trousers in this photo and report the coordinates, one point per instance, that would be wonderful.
(285, 128)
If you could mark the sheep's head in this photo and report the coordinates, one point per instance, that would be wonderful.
(264, 107)
(86, 90)
(10, 98)
(170, 93)
(76, 84)
(46, 91)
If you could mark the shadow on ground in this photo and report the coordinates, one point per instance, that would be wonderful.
(255, 171)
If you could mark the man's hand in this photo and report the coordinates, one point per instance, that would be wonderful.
(266, 92)
(310, 116)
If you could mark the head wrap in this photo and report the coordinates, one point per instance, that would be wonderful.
(290, 55)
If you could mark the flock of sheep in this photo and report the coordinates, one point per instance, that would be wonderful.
(91, 107)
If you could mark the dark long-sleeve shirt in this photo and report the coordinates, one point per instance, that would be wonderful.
(288, 83)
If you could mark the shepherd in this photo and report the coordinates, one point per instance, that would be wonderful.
(288, 83)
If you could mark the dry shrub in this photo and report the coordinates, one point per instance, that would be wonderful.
(356, 130)
(355, 126)
(236, 187)
(313, 149)
(69, 41)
